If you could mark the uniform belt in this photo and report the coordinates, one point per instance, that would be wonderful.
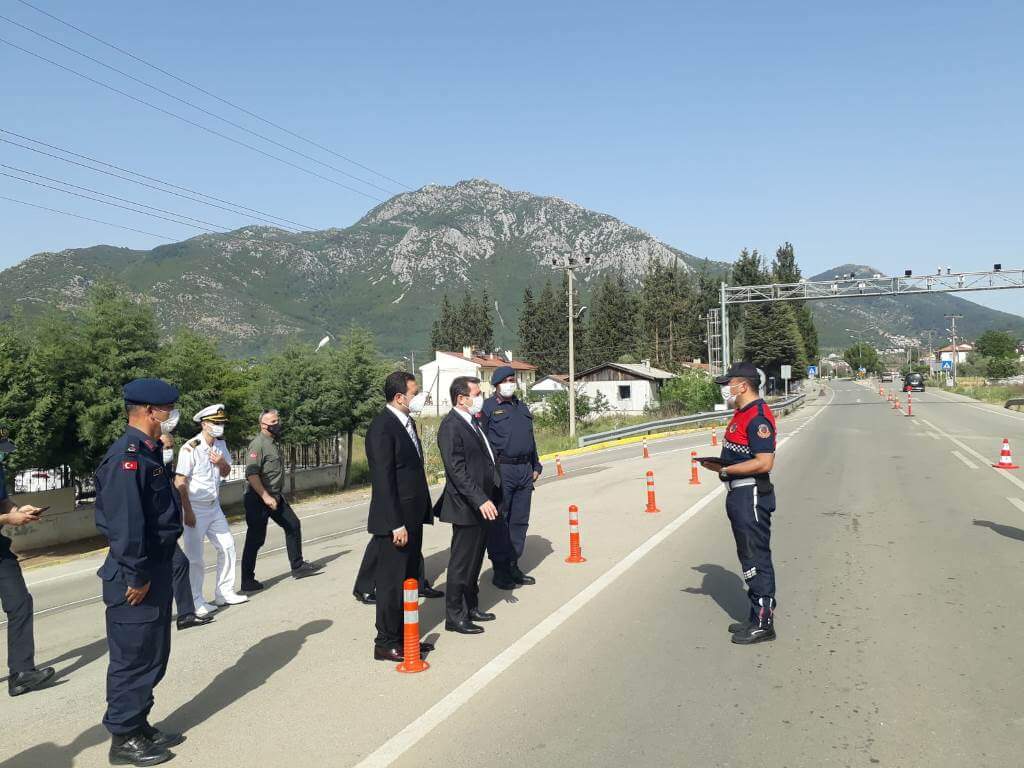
(515, 460)
(743, 482)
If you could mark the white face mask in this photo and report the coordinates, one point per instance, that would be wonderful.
(417, 402)
(168, 425)
(216, 431)
(728, 397)
(476, 405)
(168, 455)
(507, 388)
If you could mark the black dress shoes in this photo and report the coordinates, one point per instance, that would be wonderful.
(387, 654)
(306, 569)
(161, 739)
(521, 578)
(464, 627)
(191, 620)
(739, 626)
(366, 598)
(251, 585)
(23, 682)
(137, 750)
(503, 581)
(475, 614)
(753, 633)
(428, 591)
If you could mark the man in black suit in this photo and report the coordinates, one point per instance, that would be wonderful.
(399, 506)
(472, 488)
(365, 591)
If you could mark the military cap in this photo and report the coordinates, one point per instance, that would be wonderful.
(6, 445)
(214, 413)
(501, 374)
(150, 392)
(739, 371)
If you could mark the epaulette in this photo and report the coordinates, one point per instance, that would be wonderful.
(194, 441)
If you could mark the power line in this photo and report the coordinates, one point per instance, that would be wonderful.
(243, 210)
(112, 197)
(86, 218)
(231, 104)
(184, 119)
(105, 202)
(193, 105)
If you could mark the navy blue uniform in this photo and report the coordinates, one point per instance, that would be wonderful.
(140, 515)
(17, 604)
(750, 505)
(508, 425)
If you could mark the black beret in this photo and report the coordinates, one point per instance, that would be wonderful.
(150, 392)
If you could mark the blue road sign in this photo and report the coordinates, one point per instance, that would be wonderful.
(812, 370)
(863, 370)
(947, 365)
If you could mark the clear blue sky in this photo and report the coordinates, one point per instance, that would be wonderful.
(880, 133)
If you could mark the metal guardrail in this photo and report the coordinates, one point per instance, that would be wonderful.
(695, 419)
(1014, 402)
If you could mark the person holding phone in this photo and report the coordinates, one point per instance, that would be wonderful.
(17, 602)
(748, 455)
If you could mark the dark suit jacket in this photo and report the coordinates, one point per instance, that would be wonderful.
(399, 492)
(470, 476)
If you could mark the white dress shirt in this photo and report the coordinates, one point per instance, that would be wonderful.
(204, 478)
(475, 426)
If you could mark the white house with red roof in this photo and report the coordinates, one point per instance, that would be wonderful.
(436, 376)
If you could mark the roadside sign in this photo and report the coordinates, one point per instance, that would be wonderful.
(787, 372)
(862, 370)
(947, 365)
(812, 370)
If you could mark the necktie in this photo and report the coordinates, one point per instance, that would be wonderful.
(414, 435)
(483, 438)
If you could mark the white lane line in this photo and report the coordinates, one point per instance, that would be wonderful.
(1004, 412)
(409, 736)
(1008, 474)
(1016, 502)
(970, 464)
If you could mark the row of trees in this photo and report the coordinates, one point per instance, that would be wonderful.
(61, 379)
(468, 324)
(994, 356)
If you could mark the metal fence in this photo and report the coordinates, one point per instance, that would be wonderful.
(710, 417)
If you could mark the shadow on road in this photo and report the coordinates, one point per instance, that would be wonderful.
(1003, 530)
(323, 561)
(252, 670)
(79, 657)
(725, 588)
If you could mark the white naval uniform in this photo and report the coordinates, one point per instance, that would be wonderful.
(204, 493)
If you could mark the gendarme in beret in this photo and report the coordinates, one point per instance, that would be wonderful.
(214, 413)
(149, 392)
(501, 374)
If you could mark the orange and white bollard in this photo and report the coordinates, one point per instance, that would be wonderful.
(575, 551)
(895, 403)
(652, 505)
(694, 478)
(910, 404)
(1005, 457)
(411, 651)
(647, 453)
(558, 466)
(714, 437)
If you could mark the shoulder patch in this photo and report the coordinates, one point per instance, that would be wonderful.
(130, 465)
(149, 444)
(131, 448)
(194, 441)
(253, 455)
(763, 431)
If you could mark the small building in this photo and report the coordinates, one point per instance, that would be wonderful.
(962, 350)
(629, 388)
(554, 382)
(437, 375)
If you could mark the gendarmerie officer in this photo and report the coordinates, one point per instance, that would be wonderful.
(138, 512)
(509, 428)
(14, 595)
(264, 500)
(748, 455)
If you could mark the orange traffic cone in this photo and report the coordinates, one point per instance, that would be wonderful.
(694, 479)
(714, 437)
(1005, 457)
(558, 466)
(652, 505)
(575, 551)
(895, 403)
(647, 453)
(411, 651)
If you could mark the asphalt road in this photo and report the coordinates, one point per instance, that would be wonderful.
(897, 552)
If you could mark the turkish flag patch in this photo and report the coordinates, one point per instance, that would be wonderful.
(252, 455)
(129, 466)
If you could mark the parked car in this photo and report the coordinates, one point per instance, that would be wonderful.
(914, 382)
(888, 376)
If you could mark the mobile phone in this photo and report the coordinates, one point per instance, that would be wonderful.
(42, 509)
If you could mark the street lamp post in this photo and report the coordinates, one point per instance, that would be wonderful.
(569, 263)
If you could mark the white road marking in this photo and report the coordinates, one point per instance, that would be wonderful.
(1016, 502)
(933, 436)
(1008, 474)
(409, 736)
(970, 464)
(1005, 411)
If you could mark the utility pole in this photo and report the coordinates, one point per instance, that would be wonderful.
(568, 264)
(956, 347)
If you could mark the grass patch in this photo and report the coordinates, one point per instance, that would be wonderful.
(991, 394)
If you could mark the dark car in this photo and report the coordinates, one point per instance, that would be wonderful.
(913, 382)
